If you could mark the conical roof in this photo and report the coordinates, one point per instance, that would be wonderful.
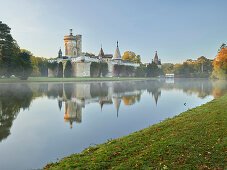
(156, 57)
(117, 54)
(101, 53)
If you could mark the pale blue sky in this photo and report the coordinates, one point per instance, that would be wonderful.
(177, 29)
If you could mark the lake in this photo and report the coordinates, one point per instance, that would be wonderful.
(43, 122)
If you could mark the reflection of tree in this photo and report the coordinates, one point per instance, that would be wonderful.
(220, 88)
(131, 100)
(13, 97)
(201, 86)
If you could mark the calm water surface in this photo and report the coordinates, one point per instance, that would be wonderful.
(41, 122)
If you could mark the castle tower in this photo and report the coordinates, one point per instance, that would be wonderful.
(73, 45)
(117, 54)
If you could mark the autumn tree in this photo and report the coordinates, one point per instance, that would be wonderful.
(220, 64)
(131, 56)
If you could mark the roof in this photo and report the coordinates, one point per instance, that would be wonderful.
(156, 56)
(101, 53)
(108, 56)
(117, 54)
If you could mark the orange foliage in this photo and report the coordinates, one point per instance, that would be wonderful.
(221, 60)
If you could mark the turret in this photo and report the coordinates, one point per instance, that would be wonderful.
(60, 53)
(73, 45)
(117, 54)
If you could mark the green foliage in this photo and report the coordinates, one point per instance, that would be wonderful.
(9, 51)
(118, 69)
(194, 139)
(52, 65)
(95, 69)
(60, 70)
(68, 69)
(141, 71)
(219, 74)
(153, 70)
(124, 71)
(24, 65)
(40, 66)
(98, 69)
(197, 68)
(104, 69)
(167, 68)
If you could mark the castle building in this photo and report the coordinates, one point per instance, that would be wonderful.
(81, 63)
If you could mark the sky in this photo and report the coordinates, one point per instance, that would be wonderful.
(177, 29)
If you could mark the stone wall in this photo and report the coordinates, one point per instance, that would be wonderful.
(81, 69)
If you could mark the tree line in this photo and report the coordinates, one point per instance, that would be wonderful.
(18, 62)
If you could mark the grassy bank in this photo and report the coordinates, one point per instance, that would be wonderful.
(194, 139)
(75, 79)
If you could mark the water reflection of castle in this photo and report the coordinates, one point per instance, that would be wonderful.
(14, 97)
(76, 96)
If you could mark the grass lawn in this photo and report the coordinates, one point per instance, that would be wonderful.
(75, 79)
(195, 139)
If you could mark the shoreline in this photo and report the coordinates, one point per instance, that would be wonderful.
(192, 139)
(77, 79)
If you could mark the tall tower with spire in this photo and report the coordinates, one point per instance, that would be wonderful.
(117, 54)
(156, 60)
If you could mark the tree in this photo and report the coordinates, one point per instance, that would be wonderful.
(60, 70)
(95, 69)
(89, 54)
(131, 56)
(167, 68)
(129, 70)
(104, 69)
(138, 59)
(141, 71)
(220, 65)
(24, 65)
(8, 51)
(153, 70)
(52, 65)
(68, 69)
(118, 69)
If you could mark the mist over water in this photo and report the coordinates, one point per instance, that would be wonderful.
(40, 122)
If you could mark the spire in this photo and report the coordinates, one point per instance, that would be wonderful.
(70, 31)
(101, 53)
(117, 54)
(60, 53)
(156, 61)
